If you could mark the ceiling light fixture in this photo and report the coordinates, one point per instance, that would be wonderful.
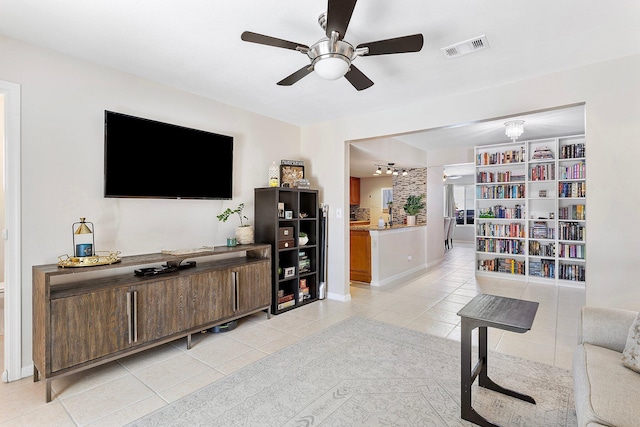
(331, 57)
(392, 169)
(514, 129)
(331, 67)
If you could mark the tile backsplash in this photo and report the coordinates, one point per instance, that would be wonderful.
(359, 214)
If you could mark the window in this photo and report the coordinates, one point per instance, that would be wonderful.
(387, 197)
(464, 199)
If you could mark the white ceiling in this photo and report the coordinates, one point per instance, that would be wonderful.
(195, 45)
(400, 149)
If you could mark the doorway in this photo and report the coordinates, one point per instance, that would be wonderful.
(12, 319)
(443, 148)
(1, 227)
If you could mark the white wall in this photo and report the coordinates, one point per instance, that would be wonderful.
(63, 103)
(2, 226)
(611, 91)
(397, 255)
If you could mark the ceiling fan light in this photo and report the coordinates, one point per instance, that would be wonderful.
(514, 129)
(331, 67)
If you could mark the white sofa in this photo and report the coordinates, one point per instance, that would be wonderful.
(606, 392)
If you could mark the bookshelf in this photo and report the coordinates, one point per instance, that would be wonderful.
(530, 210)
(295, 266)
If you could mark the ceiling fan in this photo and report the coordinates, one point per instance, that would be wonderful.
(332, 57)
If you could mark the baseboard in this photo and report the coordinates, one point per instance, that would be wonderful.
(27, 371)
(338, 297)
(397, 278)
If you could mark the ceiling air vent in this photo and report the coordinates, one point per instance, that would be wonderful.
(465, 47)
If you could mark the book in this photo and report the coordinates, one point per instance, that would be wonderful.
(286, 304)
(285, 298)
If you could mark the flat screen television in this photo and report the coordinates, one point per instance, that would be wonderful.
(149, 159)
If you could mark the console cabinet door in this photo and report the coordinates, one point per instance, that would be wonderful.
(88, 326)
(160, 309)
(210, 297)
(252, 287)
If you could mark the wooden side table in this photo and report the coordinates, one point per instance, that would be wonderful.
(481, 312)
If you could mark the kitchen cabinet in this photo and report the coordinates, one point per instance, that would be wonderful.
(360, 255)
(354, 191)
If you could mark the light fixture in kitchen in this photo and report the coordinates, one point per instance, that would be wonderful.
(392, 169)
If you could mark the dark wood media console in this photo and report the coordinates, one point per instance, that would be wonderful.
(81, 320)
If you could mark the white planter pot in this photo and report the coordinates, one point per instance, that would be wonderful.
(411, 220)
(303, 241)
(244, 235)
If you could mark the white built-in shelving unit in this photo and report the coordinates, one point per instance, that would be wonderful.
(530, 210)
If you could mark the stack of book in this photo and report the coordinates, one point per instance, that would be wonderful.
(576, 212)
(572, 189)
(572, 151)
(304, 290)
(541, 249)
(286, 301)
(540, 230)
(304, 263)
(542, 268)
(542, 153)
(303, 184)
(502, 265)
(546, 172)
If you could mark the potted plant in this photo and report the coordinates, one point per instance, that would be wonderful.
(413, 205)
(303, 239)
(244, 232)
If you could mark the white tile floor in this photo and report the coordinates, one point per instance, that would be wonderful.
(122, 391)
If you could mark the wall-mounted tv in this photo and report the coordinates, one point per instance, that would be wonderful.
(150, 159)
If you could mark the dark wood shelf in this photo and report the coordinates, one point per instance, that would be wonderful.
(267, 225)
(85, 319)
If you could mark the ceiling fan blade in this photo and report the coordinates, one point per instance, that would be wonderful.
(412, 43)
(248, 36)
(302, 72)
(358, 79)
(338, 16)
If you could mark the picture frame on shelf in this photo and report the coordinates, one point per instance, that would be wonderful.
(289, 272)
(289, 174)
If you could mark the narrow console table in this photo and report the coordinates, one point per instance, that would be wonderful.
(481, 312)
(87, 316)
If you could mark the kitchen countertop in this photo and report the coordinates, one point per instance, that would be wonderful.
(375, 227)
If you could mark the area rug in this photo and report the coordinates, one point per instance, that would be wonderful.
(361, 372)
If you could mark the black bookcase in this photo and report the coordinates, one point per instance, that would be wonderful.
(295, 275)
